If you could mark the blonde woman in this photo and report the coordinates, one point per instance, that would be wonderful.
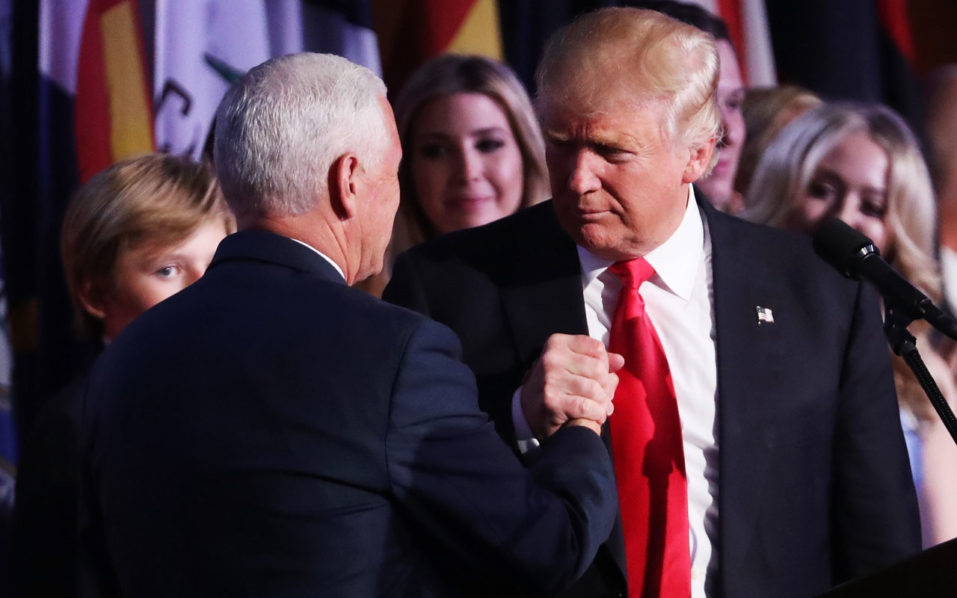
(473, 151)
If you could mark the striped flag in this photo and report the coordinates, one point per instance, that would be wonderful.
(850, 50)
(8, 436)
(344, 28)
(114, 112)
(412, 31)
(201, 48)
(893, 16)
(527, 24)
(44, 174)
(747, 22)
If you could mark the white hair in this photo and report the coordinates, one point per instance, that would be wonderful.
(280, 128)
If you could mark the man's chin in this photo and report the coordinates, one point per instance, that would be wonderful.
(595, 240)
(601, 242)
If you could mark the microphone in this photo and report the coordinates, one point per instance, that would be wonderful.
(855, 256)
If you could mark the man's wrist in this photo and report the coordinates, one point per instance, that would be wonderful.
(524, 438)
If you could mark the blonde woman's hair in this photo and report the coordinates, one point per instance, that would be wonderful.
(766, 111)
(791, 160)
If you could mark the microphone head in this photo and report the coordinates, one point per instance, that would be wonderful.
(842, 246)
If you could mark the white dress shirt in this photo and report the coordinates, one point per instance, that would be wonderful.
(322, 255)
(678, 300)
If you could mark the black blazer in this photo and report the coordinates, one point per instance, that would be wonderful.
(271, 432)
(814, 483)
(45, 555)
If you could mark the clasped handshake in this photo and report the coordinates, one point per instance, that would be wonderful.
(572, 384)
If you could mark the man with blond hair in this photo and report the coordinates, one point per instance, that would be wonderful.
(271, 431)
(755, 433)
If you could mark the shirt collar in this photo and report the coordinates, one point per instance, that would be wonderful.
(322, 255)
(675, 261)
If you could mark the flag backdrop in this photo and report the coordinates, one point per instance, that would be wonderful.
(114, 111)
(412, 31)
(8, 436)
(201, 47)
(747, 22)
(851, 50)
(343, 27)
(527, 24)
(7, 444)
(44, 174)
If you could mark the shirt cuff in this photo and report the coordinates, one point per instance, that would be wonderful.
(524, 438)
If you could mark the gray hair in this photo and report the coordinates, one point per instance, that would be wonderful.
(280, 128)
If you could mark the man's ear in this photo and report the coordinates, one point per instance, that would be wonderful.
(344, 185)
(91, 300)
(699, 161)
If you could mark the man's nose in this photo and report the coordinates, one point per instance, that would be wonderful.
(583, 178)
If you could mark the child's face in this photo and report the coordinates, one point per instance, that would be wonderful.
(149, 274)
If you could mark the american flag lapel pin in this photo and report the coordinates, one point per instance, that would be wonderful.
(765, 315)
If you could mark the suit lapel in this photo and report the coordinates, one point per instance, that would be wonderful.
(749, 354)
(546, 296)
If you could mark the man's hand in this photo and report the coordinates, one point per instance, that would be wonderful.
(572, 383)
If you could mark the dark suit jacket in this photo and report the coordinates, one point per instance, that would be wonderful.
(271, 432)
(48, 486)
(814, 482)
(45, 541)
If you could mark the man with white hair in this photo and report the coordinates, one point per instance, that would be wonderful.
(756, 439)
(273, 432)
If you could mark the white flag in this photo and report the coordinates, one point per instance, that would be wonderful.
(201, 47)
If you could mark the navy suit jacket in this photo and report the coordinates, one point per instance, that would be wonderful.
(814, 483)
(271, 432)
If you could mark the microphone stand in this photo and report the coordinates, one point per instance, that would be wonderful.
(904, 344)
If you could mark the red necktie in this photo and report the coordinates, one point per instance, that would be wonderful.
(647, 449)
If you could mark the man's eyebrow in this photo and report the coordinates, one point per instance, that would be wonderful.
(556, 135)
(614, 139)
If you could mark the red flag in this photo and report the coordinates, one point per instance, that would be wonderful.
(114, 112)
(893, 15)
(412, 31)
(748, 27)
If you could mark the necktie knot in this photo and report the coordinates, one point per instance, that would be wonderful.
(633, 272)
